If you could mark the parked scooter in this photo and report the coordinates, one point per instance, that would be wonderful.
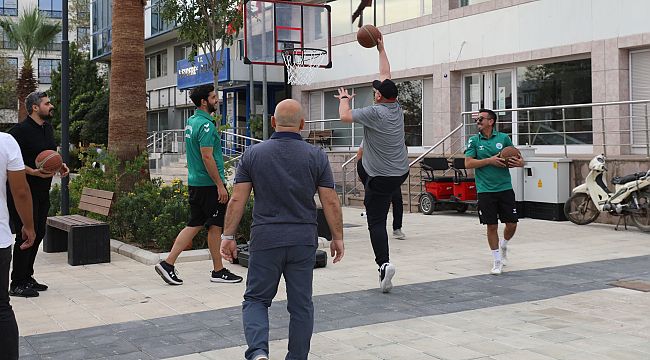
(631, 197)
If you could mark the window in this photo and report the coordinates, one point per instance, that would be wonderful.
(410, 99)
(55, 45)
(453, 4)
(5, 43)
(101, 27)
(83, 38)
(45, 68)
(156, 65)
(8, 7)
(181, 53)
(157, 121)
(83, 11)
(158, 25)
(382, 12)
(562, 83)
(8, 77)
(51, 8)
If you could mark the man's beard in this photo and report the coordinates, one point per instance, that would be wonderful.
(46, 116)
(211, 108)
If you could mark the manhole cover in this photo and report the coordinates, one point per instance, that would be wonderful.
(638, 285)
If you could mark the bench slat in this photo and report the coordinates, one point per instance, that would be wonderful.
(66, 222)
(97, 193)
(96, 201)
(94, 208)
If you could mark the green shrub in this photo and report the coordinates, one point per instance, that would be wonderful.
(149, 215)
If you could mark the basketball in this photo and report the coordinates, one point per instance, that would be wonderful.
(367, 36)
(509, 152)
(49, 161)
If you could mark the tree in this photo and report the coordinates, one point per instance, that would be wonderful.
(8, 76)
(209, 24)
(32, 32)
(86, 86)
(127, 125)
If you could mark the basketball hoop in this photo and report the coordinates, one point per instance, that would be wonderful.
(301, 64)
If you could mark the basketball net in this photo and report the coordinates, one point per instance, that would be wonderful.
(301, 64)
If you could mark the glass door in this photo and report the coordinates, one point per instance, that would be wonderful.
(492, 90)
(503, 99)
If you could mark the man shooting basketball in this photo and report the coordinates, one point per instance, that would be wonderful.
(385, 158)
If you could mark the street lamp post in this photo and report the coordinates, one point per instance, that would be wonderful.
(65, 106)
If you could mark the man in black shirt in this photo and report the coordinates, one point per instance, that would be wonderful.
(34, 134)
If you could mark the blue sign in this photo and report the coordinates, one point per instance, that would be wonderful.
(192, 74)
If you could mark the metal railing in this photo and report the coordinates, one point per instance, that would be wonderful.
(173, 142)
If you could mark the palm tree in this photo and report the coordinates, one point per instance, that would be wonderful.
(32, 32)
(127, 123)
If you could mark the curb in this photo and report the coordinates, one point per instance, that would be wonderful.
(151, 258)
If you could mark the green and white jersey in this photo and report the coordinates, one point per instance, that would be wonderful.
(489, 178)
(200, 132)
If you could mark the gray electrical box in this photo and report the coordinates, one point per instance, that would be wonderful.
(546, 187)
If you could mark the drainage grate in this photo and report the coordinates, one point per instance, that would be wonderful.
(638, 285)
(345, 226)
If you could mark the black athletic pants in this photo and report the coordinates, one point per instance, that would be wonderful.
(23, 268)
(396, 198)
(8, 326)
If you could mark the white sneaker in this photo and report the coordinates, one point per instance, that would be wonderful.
(504, 254)
(386, 273)
(398, 234)
(261, 357)
(497, 268)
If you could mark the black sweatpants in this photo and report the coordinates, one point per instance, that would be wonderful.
(396, 198)
(8, 326)
(23, 268)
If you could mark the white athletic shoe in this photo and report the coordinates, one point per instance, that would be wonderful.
(398, 234)
(261, 357)
(497, 268)
(386, 273)
(504, 254)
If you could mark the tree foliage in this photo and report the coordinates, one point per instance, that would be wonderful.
(209, 25)
(8, 78)
(88, 101)
(32, 32)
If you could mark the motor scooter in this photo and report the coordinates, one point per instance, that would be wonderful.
(631, 197)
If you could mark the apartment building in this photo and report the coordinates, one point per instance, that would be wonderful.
(49, 59)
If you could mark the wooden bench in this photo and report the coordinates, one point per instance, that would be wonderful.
(86, 240)
(321, 137)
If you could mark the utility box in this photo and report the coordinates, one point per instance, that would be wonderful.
(546, 187)
(517, 176)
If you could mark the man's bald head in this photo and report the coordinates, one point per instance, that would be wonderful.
(288, 113)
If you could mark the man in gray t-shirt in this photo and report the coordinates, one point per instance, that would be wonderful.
(385, 158)
(286, 172)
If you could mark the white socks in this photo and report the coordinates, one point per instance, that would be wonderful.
(496, 254)
(503, 243)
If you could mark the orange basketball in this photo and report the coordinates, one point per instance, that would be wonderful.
(367, 36)
(509, 152)
(49, 161)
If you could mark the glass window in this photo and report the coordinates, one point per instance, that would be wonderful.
(158, 25)
(51, 8)
(156, 65)
(400, 10)
(560, 83)
(341, 17)
(364, 96)
(460, 3)
(45, 68)
(5, 43)
(410, 99)
(8, 76)
(8, 7)
(55, 45)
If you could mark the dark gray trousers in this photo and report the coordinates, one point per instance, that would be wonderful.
(296, 264)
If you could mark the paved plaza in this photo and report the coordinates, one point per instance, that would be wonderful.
(555, 300)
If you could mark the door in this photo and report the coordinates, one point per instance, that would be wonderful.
(493, 90)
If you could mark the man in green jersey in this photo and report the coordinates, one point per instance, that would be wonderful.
(496, 199)
(208, 196)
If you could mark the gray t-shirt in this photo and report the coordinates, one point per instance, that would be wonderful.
(286, 172)
(384, 151)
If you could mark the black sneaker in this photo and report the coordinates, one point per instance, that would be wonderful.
(168, 273)
(225, 276)
(386, 273)
(36, 285)
(23, 290)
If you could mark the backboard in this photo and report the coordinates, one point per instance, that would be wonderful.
(273, 26)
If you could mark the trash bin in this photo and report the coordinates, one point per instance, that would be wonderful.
(546, 187)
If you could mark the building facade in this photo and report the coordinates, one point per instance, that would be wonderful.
(45, 61)
(455, 56)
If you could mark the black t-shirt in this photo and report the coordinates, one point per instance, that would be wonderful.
(32, 139)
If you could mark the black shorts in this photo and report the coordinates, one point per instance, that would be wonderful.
(497, 205)
(205, 208)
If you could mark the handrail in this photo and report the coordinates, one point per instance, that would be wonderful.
(435, 145)
(571, 106)
(349, 161)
